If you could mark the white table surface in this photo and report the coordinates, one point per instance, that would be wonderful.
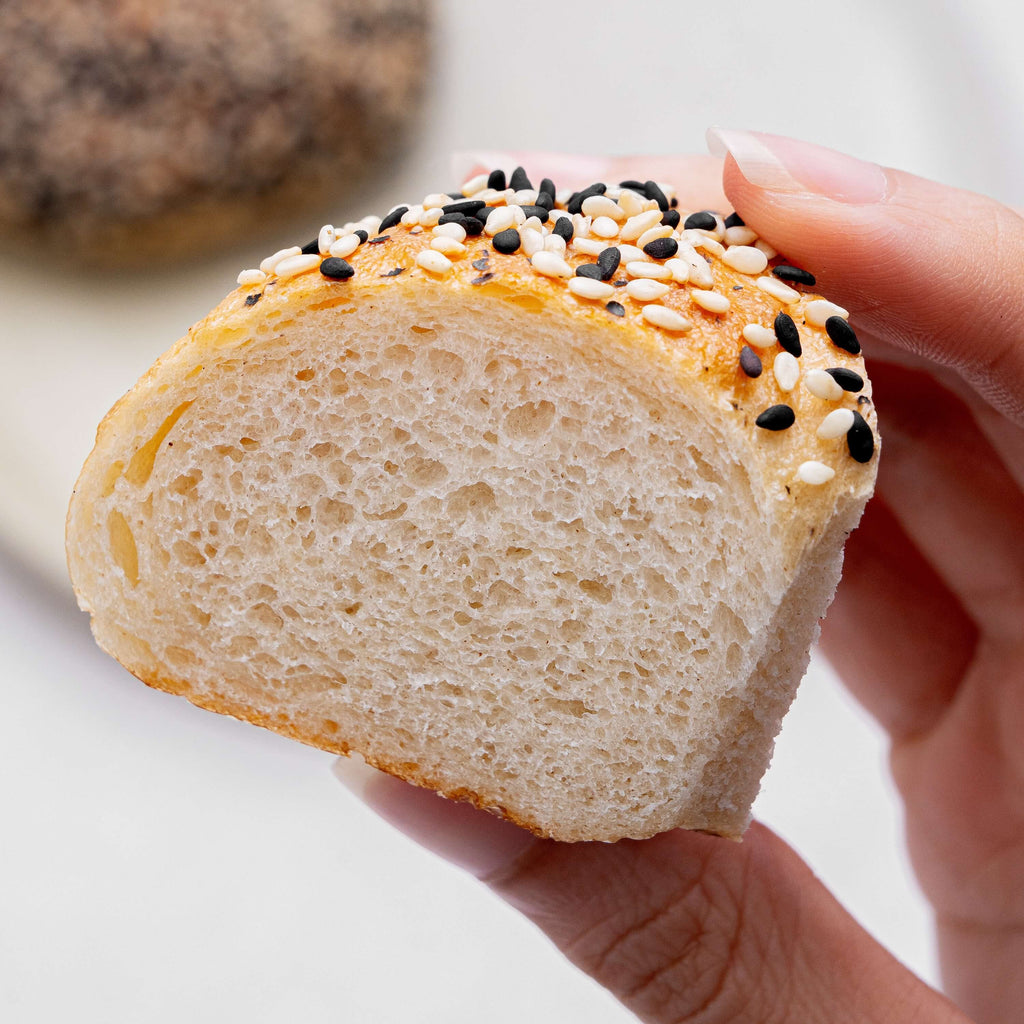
(159, 863)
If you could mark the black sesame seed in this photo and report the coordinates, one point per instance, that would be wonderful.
(788, 335)
(848, 380)
(519, 180)
(336, 268)
(734, 220)
(750, 362)
(543, 199)
(794, 275)
(563, 228)
(635, 186)
(394, 273)
(496, 180)
(539, 212)
(451, 218)
(486, 212)
(661, 248)
(481, 264)
(379, 240)
(473, 226)
(842, 335)
(654, 192)
(860, 440)
(482, 279)
(311, 248)
(776, 417)
(615, 308)
(392, 218)
(251, 300)
(704, 220)
(673, 202)
(621, 283)
(547, 188)
(671, 218)
(608, 260)
(591, 270)
(575, 204)
(467, 207)
(361, 235)
(863, 400)
(507, 241)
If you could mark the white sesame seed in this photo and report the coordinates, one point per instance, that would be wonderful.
(631, 202)
(555, 214)
(500, 220)
(474, 185)
(429, 218)
(518, 216)
(410, 217)
(555, 244)
(268, 265)
(740, 235)
(436, 200)
(613, 193)
(489, 196)
(604, 227)
(370, 223)
(679, 269)
(253, 276)
(449, 246)
(326, 238)
(658, 231)
(637, 225)
(835, 424)
(532, 241)
(787, 370)
(533, 223)
(707, 243)
(644, 268)
(815, 473)
(700, 273)
(667, 319)
(602, 206)
(631, 254)
(745, 259)
(525, 197)
(759, 337)
(452, 230)
(823, 385)
(291, 266)
(818, 311)
(776, 288)
(719, 229)
(589, 246)
(581, 225)
(713, 302)
(345, 246)
(765, 248)
(563, 195)
(416, 230)
(435, 262)
(550, 265)
(644, 290)
(588, 288)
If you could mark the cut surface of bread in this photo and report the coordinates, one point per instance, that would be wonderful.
(502, 544)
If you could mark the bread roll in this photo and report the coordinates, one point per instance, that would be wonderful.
(134, 132)
(544, 527)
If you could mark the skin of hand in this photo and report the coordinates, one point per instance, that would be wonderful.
(927, 631)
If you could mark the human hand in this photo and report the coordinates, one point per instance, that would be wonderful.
(927, 632)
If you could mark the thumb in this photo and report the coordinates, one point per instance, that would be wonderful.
(934, 270)
(683, 927)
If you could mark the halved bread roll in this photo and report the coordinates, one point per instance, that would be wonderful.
(553, 543)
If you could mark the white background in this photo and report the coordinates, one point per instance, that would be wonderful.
(159, 863)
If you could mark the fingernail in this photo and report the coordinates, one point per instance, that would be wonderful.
(779, 164)
(469, 838)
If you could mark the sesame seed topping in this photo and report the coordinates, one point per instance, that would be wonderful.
(589, 246)
(787, 333)
(835, 424)
(483, 262)
(734, 220)
(496, 180)
(345, 246)
(602, 206)
(539, 212)
(604, 227)
(632, 202)
(814, 473)
(860, 440)
(665, 318)
(292, 266)
(780, 291)
(701, 241)
(472, 226)
(765, 248)
(251, 300)
(615, 308)
(713, 302)
(636, 226)
(759, 337)
(794, 275)
(630, 253)
(392, 218)
(745, 259)
(550, 265)
(634, 185)
(449, 246)
(311, 248)
(575, 204)
(679, 269)
(642, 289)
(776, 417)
(653, 234)
(507, 241)
(842, 335)
(326, 239)
(501, 218)
(379, 240)
(434, 262)
(534, 240)
(268, 265)
(818, 311)
(592, 271)
(474, 185)
(250, 277)
(452, 229)
(467, 207)
(525, 197)
(336, 268)
(608, 260)
(519, 180)
(848, 380)
(547, 187)
(822, 385)
(750, 362)
(654, 191)
(563, 228)
(740, 236)
(588, 288)
(699, 271)
(361, 235)
(482, 279)
(671, 218)
(703, 220)
(786, 370)
(654, 271)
